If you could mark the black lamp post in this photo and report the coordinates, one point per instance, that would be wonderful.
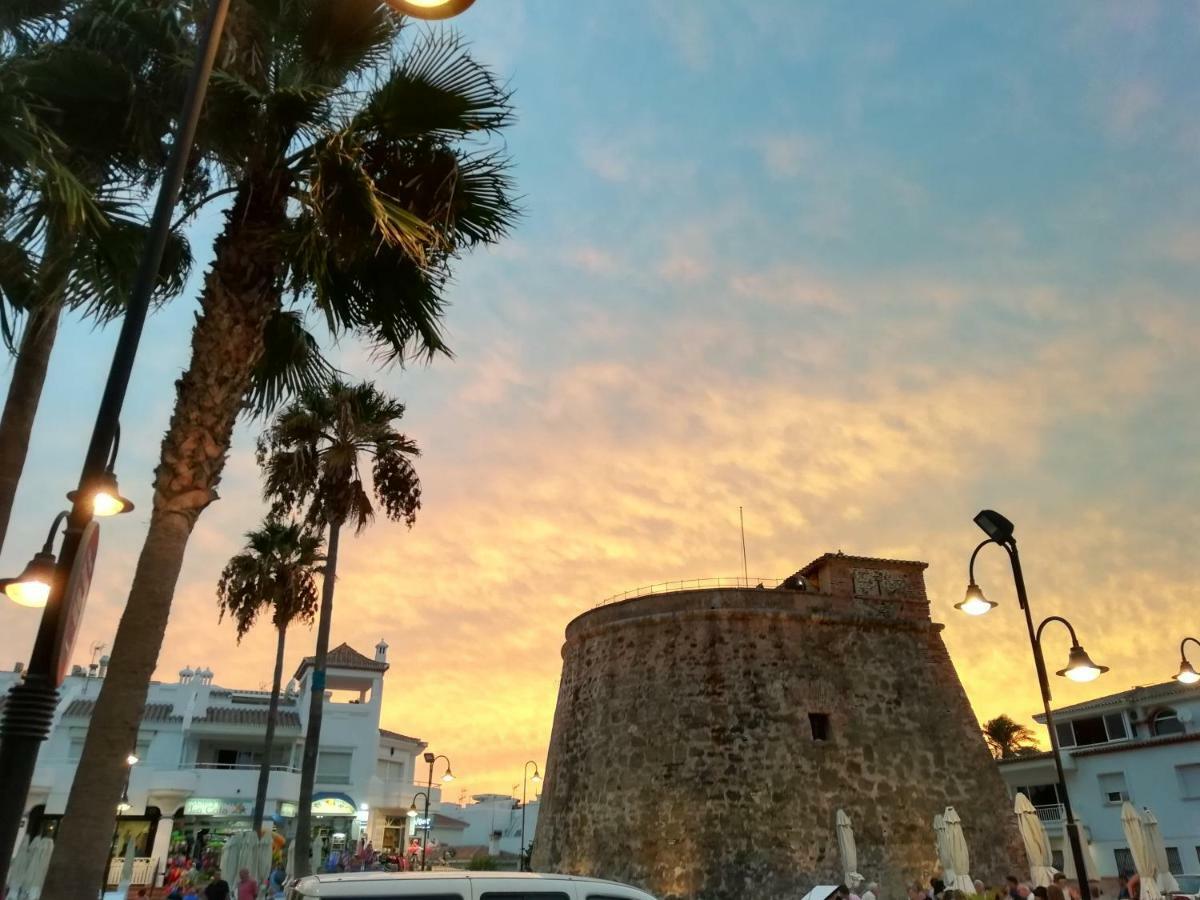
(537, 778)
(1079, 665)
(1186, 674)
(29, 710)
(447, 778)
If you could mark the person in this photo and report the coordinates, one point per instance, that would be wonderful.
(915, 891)
(1123, 889)
(1040, 893)
(872, 891)
(1023, 891)
(1068, 887)
(1054, 892)
(277, 880)
(980, 889)
(842, 892)
(854, 882)
(1013, 885)
(217, 889)
(247, 887)
(1134, 886)
(937, 887)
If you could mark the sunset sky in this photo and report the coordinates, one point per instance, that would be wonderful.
(859, 269)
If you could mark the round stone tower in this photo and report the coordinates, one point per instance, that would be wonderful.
(705, 739)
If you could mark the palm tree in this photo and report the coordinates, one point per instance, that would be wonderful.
(357, 181)
(89, 89)
(277, 570)
(311, 456)
(1007, 738)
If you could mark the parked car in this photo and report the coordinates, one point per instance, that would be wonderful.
(459, 886)
(1189, 888)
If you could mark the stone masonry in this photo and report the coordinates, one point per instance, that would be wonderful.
(704, 740)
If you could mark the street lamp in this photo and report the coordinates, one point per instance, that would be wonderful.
(29, 712)
(447, 778)
(430, 9)
(105, 494)
(537, 779)
(1080, 667)
(1186, 674)
(32, 587)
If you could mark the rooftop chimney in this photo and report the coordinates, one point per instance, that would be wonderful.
(381, 650)
(103, 666)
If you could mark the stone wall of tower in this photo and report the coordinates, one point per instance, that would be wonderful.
(683, 755)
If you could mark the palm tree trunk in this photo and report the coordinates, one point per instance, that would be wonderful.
(24, 395)
(316, 706)
(240, 294)
(264, 769)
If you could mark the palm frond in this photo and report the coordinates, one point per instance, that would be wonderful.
(437, 89)
(291, 363)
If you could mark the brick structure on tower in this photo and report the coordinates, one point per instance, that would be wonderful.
(704, 740)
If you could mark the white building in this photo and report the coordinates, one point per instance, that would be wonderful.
(493, 825)
(1141, 745)
(199, 747)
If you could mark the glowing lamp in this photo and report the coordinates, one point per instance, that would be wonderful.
(32, 587)
(430, 9)
(1080, 666)
(974, 603)
(106, 497)
(1187, 674)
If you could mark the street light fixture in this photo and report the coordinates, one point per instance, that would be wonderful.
(447, 778)
(1186, 674)
(105, 493)
(537, 779)
(32, 587)
(1080, 667)
(430, 9)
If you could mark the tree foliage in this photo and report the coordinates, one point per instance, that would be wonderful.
(1007, 738)
(312, 458)
(276, 571)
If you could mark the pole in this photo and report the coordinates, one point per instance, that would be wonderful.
(521, 853)
(29, 712)
(425, 835)
(1044, 685)
(742, 525)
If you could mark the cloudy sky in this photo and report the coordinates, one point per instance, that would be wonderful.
(860, 270)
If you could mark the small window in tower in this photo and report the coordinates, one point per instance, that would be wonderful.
(819, 722)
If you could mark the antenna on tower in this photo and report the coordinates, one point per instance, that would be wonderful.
(742, 525)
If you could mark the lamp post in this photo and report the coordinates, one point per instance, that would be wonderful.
(1186, 674)
(447, 778)
(537, 778)
(29, 710)
(123, 806)
(1079, 665)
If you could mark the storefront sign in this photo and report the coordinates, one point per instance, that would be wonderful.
(204, 806)
(287, 810)
(333, 806)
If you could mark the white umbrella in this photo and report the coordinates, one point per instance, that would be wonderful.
(1037, 842)
(957, 854)
(315, 856)
(229, 856)
(39, 865)
(1143, 858)
(266, 850)
(126, 877)
(18, 868)
(943, 855)
(847, 849)
(1154, 842)
(1089, 850)
(247, 855)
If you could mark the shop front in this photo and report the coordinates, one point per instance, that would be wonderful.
(338, 822)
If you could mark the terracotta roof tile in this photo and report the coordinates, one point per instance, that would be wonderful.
(153, 712)
(343, 656)
(395, 735)
(867, 559)
(257, 716)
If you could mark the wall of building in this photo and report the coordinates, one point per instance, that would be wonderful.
(683, 755)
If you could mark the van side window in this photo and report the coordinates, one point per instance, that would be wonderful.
(523, 895)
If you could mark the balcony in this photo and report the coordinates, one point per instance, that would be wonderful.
(209, 779)
(1052, 814)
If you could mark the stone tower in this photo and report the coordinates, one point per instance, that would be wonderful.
(704, 739)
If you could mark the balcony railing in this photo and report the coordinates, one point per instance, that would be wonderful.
(692, 584)
(144, 870)
(238, 766)
(1052, 813)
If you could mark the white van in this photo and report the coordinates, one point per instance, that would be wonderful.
(459, 886)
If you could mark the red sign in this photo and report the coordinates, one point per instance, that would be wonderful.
(75, 596)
